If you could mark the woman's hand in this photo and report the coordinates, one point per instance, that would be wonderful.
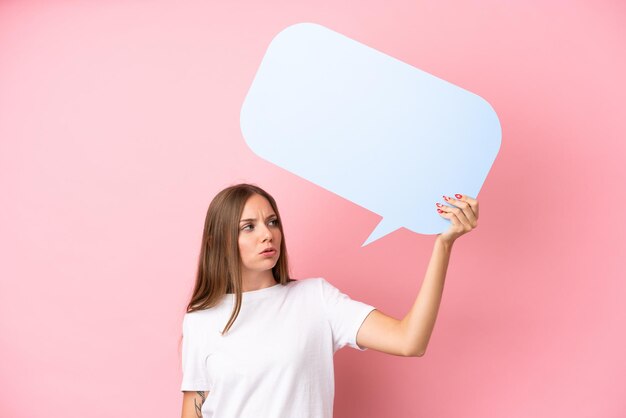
(464, 216)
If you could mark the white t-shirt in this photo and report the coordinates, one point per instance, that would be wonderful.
(277, 358)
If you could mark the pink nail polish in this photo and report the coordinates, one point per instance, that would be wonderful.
(458, 196)
(445, 197)
(439, 210)
(439, 205)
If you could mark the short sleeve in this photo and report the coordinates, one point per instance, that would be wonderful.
(345, 316)
(195, 376)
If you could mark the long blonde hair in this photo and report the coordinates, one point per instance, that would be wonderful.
(219, 264)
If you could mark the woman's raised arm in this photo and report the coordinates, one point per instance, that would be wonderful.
(410, 336)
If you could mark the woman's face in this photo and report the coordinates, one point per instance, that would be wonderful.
(258, 233)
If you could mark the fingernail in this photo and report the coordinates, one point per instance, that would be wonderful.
(440, 205)
(439, 210)
(458, 196)
(445, 197)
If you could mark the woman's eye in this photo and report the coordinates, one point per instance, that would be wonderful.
(274, 222)
(247, 227)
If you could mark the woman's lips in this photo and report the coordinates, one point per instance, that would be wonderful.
(269, 253)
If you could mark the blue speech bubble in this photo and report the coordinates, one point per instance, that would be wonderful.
(368, 127)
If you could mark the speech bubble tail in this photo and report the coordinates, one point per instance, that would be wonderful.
(383, 228)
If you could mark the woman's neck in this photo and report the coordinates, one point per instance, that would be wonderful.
(257, 281)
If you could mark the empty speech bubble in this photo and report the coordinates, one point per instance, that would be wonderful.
(368, 127)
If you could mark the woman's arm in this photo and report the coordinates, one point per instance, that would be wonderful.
(410, 336)
(192, 404)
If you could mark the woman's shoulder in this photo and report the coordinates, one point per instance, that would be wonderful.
(307, 282)
(312, 282)
(309, 286)
(202, 316)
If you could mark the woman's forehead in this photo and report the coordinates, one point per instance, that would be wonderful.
(256, 204)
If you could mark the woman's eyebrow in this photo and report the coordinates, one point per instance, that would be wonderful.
(254, 219)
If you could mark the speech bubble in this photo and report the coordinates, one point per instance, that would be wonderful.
(379, 132)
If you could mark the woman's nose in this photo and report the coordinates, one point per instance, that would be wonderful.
(267, 234)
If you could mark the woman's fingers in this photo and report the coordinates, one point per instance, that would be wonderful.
(457, 214)
(471, 201)
(462, 213)
(468, 205)
(447, 212)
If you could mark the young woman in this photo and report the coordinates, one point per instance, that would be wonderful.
(257, 343)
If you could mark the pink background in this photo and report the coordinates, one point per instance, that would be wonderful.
(119, 120)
